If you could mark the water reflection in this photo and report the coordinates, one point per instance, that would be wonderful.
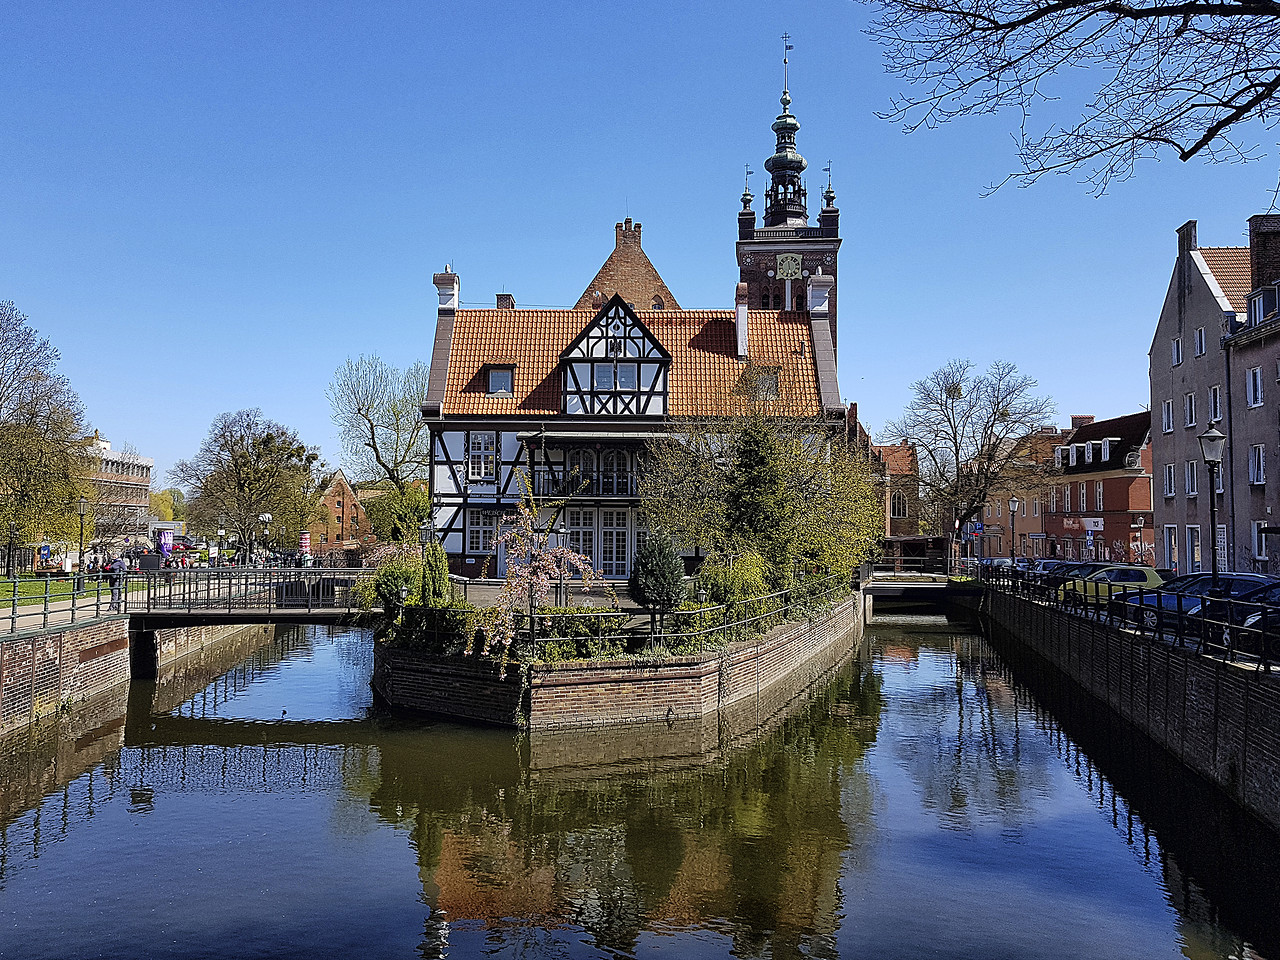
(921, 800)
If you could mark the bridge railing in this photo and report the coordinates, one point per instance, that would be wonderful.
(1215, 626)
(269, 589)
(37, 603)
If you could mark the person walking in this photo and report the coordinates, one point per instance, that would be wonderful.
(116, 570)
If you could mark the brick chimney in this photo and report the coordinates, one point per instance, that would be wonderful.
(1264, 250)
(506, 301)
(1081, 420)
(626, 232)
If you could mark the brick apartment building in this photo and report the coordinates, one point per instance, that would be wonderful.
(1100, 508)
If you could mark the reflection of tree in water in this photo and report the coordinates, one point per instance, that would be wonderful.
(753, 840)
(968, 745)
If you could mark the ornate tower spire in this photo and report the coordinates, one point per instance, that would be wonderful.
(785, 200)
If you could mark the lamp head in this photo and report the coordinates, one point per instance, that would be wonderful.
(1014, 504)
(84, 502)
(1212, 442)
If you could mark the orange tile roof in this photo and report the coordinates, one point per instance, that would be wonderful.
(704, 371)
(1230, 267)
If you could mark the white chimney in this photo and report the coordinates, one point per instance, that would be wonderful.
(449, 288)
(740, 319)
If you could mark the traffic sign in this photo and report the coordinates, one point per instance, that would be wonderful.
(977, 527)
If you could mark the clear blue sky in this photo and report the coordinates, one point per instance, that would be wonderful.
(209, 206)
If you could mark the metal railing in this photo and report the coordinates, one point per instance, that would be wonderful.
(708, 626)
(553, 483)
(1215, 626)
(227, 590)
(37, 603)
(907, 565)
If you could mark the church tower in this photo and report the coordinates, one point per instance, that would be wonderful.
(786, 263)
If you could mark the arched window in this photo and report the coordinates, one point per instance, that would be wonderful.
(777, 298)
(800, 301)
(764, 299)
(582, 468)
(658, 304)
(898, 505)
(613, 472)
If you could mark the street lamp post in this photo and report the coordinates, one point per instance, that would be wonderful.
(1212, 442)
(84, 502)
(1014, 504)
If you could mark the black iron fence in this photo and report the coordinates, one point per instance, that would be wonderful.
(1216, 624)
(695, 628)
(37, 603)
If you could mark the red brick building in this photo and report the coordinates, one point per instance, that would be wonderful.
(1101, 507)
(344, 525)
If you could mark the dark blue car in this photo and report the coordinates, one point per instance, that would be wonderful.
(1182, 597)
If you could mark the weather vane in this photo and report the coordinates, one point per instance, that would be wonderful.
(786, 45)
(746, 186)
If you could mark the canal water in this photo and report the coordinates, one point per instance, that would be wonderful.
(925, 801)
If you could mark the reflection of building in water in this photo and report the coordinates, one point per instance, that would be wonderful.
(755, 836)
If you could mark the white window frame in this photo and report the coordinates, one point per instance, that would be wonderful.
(482, 456)
(1066, 498)
(1258, 464)
(1200, 342)
(1176, 350)
(1170, 481)
(898, 508)
(482, 530)
(1053, 500)
(603, 383)
(1259, 540)
(1215, 403)
(1195, 549)
(1035, 506)
(1192, 473)
(1253, 387)
(1097, 495)
(1171, 546)
(501, 391)
(1189, 410)
(1084, 496)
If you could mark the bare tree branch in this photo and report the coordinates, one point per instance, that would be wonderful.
(1178, 76)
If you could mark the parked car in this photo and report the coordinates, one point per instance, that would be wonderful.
(1098, 586)
(1182, 597)
(1244, 619)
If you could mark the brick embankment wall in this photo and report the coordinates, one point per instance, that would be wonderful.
(686, 688)
(750, 682)
(40, 671)
(1220, 719)
(464, 688)
(42, 757)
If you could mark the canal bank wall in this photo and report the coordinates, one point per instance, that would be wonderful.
(744, 676)
(1219, 719)
(47, 671)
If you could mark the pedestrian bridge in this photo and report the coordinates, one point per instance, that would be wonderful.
(177, 598)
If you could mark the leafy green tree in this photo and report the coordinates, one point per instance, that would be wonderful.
(761, 509)
(45, 463)
(395, 515)
(436, 588)
(657, 576)
(247, 466)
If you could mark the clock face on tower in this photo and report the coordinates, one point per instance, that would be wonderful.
(788, 266)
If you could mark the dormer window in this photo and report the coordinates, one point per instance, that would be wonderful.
(658, 304)
(501, 381)
(1262, 305)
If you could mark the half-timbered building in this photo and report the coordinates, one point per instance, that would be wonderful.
(565, 400)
